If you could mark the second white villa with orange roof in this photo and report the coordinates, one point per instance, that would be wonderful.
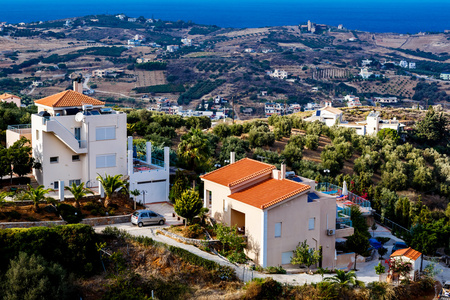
(275, 213)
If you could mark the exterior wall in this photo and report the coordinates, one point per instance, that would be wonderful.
(13, 136)
(294, 216)
(15, 100)
(253, 227)
(360, 129)
(218, 194)
(48, 144)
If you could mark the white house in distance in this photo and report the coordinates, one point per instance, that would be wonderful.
(409, 255)
(364, 73)
(280, 74)
(10, 99)
(275, 213)
(328, 115)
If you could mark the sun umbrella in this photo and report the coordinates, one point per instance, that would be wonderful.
(344, 189)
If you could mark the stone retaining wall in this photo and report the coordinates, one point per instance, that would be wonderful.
(209, 243)
(91, 221)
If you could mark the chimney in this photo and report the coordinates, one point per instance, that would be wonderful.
(232, 157)
(283, 171)
(78, 84)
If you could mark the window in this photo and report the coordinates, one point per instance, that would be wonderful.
(105, 133)
(56, 185)
(225, 205)
(286, 257)
(311, 223)
(105, 161)
(76, 181)
(54, 159)
(37, 134)
(278, 229)
(75, 157)
(144, 215)
(209, 197)
(77, 133)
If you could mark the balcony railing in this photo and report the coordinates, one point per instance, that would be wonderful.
(349, 199)
(20, 128)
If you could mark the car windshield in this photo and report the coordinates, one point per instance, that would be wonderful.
(446, 286)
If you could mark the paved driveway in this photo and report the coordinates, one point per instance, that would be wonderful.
(365, 273)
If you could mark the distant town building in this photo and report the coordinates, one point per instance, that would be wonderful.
(328, 115)
(133, 42)
(365, 74)
(280, 74)
(121, 17)
(271, 108)
(186, 42)
(132, 20)
(385, 99)
(172, 48)
(366, 62)
(9, 98)
(340, 27)
(412, 65)
(445, 76)
(403, 64)
(249, 50)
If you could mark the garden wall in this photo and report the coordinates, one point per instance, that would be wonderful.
(209, 243)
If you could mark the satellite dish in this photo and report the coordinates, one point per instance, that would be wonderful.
(79, 117)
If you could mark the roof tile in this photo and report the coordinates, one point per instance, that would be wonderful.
(6, 95)
(269, 192)
(408, 252)
(240, 171)
(68, 98)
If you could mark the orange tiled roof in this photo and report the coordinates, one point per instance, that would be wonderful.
(408, 252)
(6, 95)
(269, 192)
(68, 98)
(238, 172)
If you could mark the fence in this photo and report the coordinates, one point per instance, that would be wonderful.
(390, 224)
(331, 189)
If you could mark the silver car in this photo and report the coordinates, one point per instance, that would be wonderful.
(144, 217)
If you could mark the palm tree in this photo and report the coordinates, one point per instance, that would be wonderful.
(36, 195)
(78, 192)
(194, 151)
(342, 278)
(110, 185)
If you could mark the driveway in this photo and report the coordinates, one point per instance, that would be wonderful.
(365, 273)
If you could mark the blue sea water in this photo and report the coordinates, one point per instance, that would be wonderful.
(402, 16)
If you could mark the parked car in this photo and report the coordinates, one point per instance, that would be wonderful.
(445, 291)
(144, 217)
(398, 246)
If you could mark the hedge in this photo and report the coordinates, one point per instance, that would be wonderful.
(72, 246)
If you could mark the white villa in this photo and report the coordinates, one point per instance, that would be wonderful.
(328, 115)
(75, 139)
(365, 74)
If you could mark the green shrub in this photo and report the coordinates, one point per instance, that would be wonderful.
(275, 270)
(72, 246)
(194, 231)
(32, 277)
(69, 213)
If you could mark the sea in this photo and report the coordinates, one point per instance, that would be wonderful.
(400, 16)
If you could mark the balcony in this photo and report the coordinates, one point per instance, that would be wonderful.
(344, 227)
(51, 124)
(140, 165)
